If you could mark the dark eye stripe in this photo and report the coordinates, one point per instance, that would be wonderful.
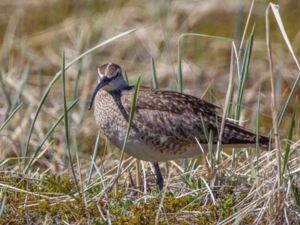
(113, 77)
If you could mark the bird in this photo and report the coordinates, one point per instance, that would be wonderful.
(167, 125)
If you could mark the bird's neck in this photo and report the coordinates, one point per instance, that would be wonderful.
(118, 91)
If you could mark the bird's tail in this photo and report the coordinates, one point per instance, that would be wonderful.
(265, 143)
(235, 134)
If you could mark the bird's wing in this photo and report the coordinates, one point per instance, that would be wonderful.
(168, 114)
(181, 117)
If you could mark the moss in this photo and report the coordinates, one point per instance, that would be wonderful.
(124, 207)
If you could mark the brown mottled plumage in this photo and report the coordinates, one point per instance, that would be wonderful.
(166, 123)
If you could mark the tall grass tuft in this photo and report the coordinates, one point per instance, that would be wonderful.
(244, 73)
(48, 134)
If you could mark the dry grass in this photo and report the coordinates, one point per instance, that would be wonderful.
(242, 187)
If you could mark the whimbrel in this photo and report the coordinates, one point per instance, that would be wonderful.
(166, 124)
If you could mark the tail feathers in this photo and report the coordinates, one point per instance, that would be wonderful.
(265, 142)
(235, 134)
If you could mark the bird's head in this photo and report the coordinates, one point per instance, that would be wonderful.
(110, 79)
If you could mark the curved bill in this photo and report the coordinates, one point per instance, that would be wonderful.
(100, 85)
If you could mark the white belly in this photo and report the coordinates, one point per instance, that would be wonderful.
(136, 148)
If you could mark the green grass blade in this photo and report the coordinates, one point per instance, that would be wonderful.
(66, 120)
(153, 74)
(286, 103)
(10, 116)
(76, 82)
(230, 105)
(126, 77)
(79, 72)
(289, 139)
(21, 88)
(57, 76)
(244, 73)
(77, 127)
(95, 153)
(131, 115)
(226, 106)
(211, 150)
(5, 92)
(257, 150)
(49, 132)
(208, 136)
(204, 128)
(132, 111)
(179, 73)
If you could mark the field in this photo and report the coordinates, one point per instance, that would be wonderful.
(57, 168)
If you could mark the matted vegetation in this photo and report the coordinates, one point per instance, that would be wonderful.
(56, 168)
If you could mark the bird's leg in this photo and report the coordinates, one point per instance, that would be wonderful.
(159, 178)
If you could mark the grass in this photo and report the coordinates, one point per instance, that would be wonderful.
(55, 167)
(123, 207)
